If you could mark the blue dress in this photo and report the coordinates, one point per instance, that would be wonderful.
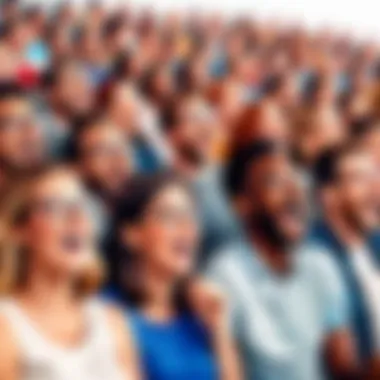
(177, 350)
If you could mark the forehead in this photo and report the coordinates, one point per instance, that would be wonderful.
(101, 132)
(360, 161)
(15, 104)
(270, 163)
(172, 194)
(61, 183)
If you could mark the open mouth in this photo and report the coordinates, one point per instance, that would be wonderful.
(73, 243)
(183, 249)
(293, 214)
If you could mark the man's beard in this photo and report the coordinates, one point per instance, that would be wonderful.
(192, 155)
(266, 227)
(355, 222)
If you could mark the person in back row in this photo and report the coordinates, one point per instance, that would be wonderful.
(287, 301)
(51, 327)
(181, 331)
(22, 145)
(191, 128)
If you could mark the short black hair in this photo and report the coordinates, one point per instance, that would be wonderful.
(360, 126)
(112, 25)
(325, 170)
(11, 90)
(241, 160)
(169, 115)
(72, 151)
(272, 84)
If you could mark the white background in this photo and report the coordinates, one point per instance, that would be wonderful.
(360, 16)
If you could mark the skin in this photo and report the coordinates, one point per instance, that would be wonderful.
(194, 137)
(352, 198)
(21, 141)
(73, 93)
(105, 160)
(48, 297)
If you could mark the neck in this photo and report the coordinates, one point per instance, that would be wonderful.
(186, 168)
(278, 259)
(344, 230)
(159, 289)
(46, 289)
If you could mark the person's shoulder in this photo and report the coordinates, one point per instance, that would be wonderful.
(227, 259)
(320, 263)
(316, 254)
(9, 347)
(108, 313)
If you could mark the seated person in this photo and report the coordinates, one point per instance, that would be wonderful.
(346, 190)
(287, 301)
(178, 333)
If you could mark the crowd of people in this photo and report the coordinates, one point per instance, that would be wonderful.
(186, 196)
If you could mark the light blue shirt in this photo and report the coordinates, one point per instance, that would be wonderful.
(280, 322)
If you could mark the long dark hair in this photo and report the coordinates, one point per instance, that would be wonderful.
(124, 260)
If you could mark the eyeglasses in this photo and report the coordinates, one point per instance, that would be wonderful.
(172, 216)
(62, 208)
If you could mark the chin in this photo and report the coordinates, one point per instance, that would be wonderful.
(294, 236)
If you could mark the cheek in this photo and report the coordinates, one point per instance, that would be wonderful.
(97, 165)
(42, 232)
(157, 239)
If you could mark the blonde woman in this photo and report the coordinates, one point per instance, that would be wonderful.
(51, 328)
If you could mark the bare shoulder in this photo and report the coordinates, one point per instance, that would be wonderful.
(7, 336)
(9, 350)
(124, 341)
(116, 317)
(117, 321)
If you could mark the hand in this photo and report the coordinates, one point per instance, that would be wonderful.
(209, 303)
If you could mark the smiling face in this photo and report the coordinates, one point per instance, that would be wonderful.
(275, 200)
(355, 190)
(194, 136)
(21, 141)
(166, 237)
(57, 231)
(105, 159)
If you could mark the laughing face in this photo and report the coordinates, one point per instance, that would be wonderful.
(356, 191)
(166, 237)
(276, 200)
(58, 231)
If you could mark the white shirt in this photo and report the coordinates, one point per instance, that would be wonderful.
(369, 280)
(41, 359)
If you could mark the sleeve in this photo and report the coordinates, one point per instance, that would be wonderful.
(335, 297)
(217, 273)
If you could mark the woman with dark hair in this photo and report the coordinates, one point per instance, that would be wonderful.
(180, 326)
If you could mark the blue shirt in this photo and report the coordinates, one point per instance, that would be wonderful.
(280, 322)
(178, 350)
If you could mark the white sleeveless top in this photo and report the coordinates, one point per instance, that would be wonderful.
(94, 359)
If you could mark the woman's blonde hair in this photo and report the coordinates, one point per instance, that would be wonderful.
(14, 206)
